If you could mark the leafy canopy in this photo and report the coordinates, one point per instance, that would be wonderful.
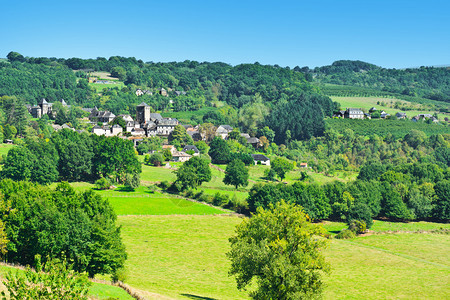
(280, 248)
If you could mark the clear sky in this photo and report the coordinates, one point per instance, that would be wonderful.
(388, 33)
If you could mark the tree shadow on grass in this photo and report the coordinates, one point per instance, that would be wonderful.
(124, 189)
(190, 296)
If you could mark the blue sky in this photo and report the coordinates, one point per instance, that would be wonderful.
(392, 34)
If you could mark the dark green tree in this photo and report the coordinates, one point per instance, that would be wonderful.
(236, 174)
(219, 151)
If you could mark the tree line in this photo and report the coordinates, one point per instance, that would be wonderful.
(60, 223)
(415, 191)
(71, 156)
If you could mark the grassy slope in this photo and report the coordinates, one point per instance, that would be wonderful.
(143, 201)
(368, 102)
(176, 255)
(184, 255)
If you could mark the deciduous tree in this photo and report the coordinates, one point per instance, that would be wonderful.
(280, 248)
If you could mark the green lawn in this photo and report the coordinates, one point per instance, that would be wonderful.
(100, 86)
(184, 255)
(369, 102)
(157, 174)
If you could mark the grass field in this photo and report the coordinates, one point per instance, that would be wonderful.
(144, 201)
(100, 86)
(369, 102)
(4, 148)
(183, 257)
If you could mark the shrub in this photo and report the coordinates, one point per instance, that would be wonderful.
(220, 199)
(102, 184)
(164, 185)
(205, 198)
(357, 226)
(345, 234)
(119, 275)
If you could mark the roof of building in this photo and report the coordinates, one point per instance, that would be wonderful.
(143, 104)
(227, 127)
(181, 154)
(43, 101)
(191, 147)
(168, 122)
(252, 140)
(260, 157)
(155, 116)
(245, 135)
(354, 110)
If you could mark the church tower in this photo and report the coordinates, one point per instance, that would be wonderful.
(143, 113)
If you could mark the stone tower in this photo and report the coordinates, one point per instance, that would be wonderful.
(143, 113)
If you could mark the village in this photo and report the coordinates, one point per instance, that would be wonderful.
(145, 125)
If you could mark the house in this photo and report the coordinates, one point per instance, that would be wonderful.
(139, 92)
(98, 130)
(384, 115)
(143, 113)
(101, 116)
(127, 118)
(303, 165)
(138, 132)
(178, 93)
(162, 92)
(260, 158)
(181, 156)
(223, 131)
(339, 114)
(195, 135)
(354, 113)
(165, 126)
(254, 141)
(116, 129)
(372, 109)
(400, 115)
(367, 116)
(171, 148)
(191, 148)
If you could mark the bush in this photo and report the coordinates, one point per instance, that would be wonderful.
(102, 184)
(205, 198)
(345, 234)
(237, 205)
(164, 185)
(358, 227)
(220, 199)
(119, 275)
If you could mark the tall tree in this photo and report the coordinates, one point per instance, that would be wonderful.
(279, 248)
(236, 174)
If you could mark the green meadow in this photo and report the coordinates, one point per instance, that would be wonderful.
(183, 257)
(368, 102)
(176, 248)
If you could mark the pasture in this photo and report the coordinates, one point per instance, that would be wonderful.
(4, 148)
(183, 257)
(366, 103)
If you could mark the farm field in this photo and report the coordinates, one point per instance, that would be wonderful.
(368, 102)
(165, 258)
(100, 86)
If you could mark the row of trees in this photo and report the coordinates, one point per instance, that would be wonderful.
(407, 192)
(60, 223)
(72, 156)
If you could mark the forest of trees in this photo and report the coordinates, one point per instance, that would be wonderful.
(71, 156)
(427, 82)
